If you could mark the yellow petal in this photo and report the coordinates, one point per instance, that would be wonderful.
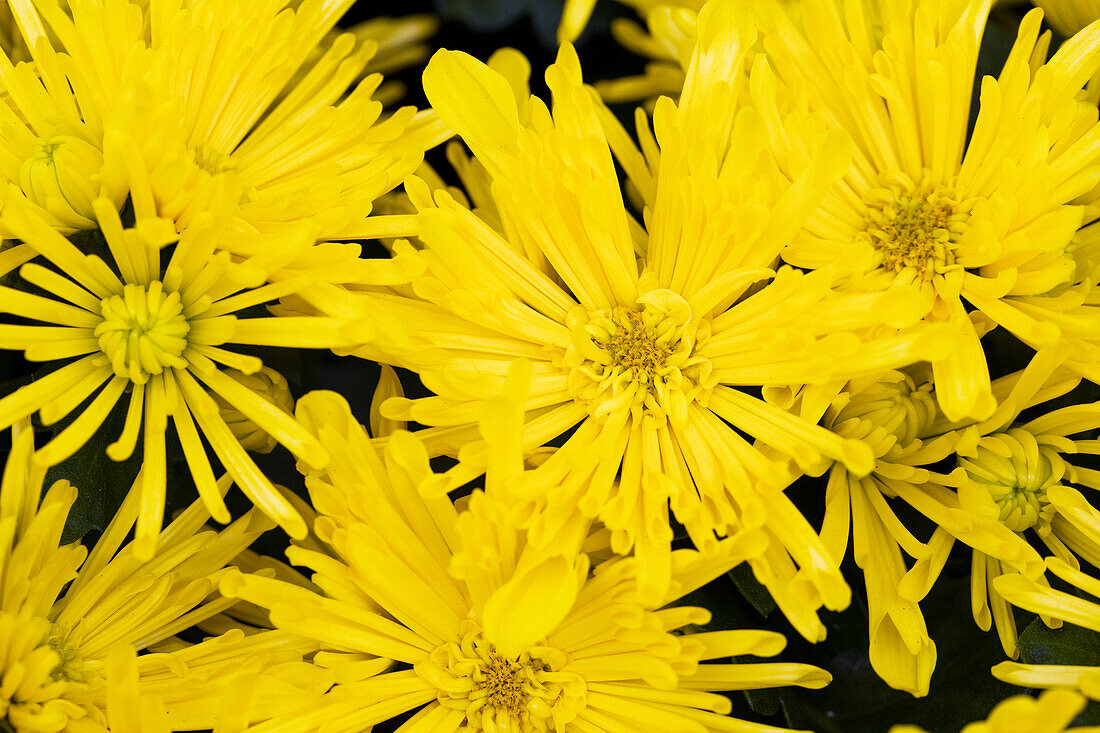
(474, 100)
(527, 608)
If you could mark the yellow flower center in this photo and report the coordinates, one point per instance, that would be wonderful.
(56, 176)
(639, 358)
(913, 226)
(143, 331)
(522, 695)
(1017, 471)
(211, 160)
(39, 672)
(633, 346)
(270, 385)
(69, 666)
(903, 405)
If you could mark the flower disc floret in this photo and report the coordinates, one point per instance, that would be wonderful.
(641, 357)
(525, 694)
(59, 175)
(212, 160)
(914, 225)
(1017, 472)
(33, 677)
(903, 405)
(70, 665)
(143, 331)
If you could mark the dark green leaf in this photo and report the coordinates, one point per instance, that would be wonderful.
(752, 590)
(1067, 645)
(100, 482)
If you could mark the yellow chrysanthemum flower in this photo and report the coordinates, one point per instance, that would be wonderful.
(65, 609)
(155, 335)
(1052, 712)
(494, 637)
(643, 341)
(53, 109)
(191, 89)
(1021, 475)
(1079, 304)
(896, 414)
(987, 220)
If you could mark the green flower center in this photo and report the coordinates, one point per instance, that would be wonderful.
(143, 331)
(69, 666)
(903, 405)
(56, 174)
(1017, 471)
(212, 161)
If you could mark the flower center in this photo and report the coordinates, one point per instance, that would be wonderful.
(270, 385)
(1017, 472)
(42, 671)
(69, 666)
(143, 331)
(902, 404)
(55, 176)
(523, 695)
(639, 358)
(914, 226)
(632, 345)
(211, 160)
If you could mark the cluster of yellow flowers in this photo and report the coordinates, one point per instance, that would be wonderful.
(635, 341)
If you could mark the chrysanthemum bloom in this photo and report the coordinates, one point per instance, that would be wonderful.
(1079, 303)
(641, 337)
(190, 90)
(1055, 604)
(493, 636)
(1051, 712)
(64, 609)
(1020, 475)
(896, 414)
(985, 221)
(268, 383)
(154, 338)
(54, 107)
